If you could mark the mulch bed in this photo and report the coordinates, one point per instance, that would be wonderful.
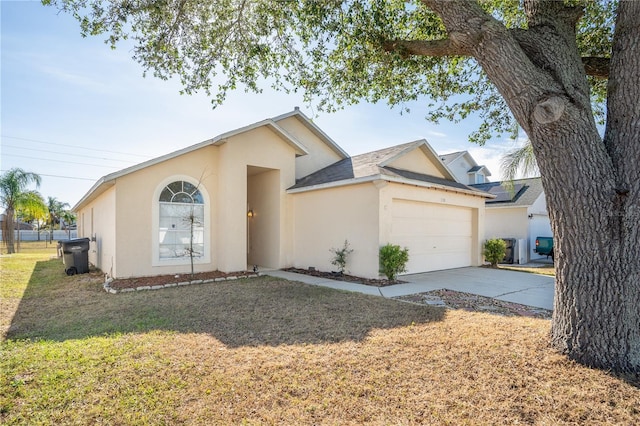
(122, 283)
(473, 302)
(345, 277)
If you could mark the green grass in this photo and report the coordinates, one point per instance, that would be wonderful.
(268, 351)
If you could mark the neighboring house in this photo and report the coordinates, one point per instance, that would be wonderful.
(281, 193)
(519, 212)
(465, 168)
(17, 224)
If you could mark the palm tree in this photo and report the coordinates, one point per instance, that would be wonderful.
(13, 187)
(31, 208)
(519, 160)
(68, 217)
(56, 209)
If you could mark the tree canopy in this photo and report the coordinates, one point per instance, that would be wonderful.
(336, 52)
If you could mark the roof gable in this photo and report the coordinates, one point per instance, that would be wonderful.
(418, 157)
(380, 165)
(109, 180)
(311, 126)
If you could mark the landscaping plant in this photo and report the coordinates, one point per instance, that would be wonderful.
(340, 256)
(393, 260)
(494, 251)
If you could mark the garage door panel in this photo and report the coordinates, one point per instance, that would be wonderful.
(437, 236)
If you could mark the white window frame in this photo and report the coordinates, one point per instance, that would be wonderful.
(155, 225)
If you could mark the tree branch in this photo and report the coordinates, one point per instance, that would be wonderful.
(443, 47)
(596, 66)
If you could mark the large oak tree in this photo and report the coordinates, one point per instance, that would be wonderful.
(546, 65)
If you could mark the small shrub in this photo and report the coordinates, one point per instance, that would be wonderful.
(340, 256)
(393, 260)
(494, 251)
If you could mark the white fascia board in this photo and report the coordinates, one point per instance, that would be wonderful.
(507, 206)
(378, 177)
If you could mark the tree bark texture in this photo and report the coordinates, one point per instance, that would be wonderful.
(592, 184)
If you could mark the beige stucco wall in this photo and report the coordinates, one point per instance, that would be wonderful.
(325, 218)
(391, 191)
(260, 147)
(320, 154)
(98, 220)
(416, 161)
(263, 238)
(507, 223)
(137, 213)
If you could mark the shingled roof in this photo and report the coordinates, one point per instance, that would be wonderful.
(524, 193)
(372, 164)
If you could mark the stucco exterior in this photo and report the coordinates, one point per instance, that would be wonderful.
(274, 194)
(521, 215)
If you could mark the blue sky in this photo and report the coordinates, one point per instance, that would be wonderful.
(74, 110)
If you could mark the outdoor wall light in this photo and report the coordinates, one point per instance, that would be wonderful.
(250, 213)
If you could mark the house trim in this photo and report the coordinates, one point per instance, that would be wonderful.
(380, 177)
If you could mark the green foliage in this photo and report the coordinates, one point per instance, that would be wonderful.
(15, 197)
(521, 160)
(57, 210)
(334, 50)
(393, 260)
(494, 251)
(340, 256)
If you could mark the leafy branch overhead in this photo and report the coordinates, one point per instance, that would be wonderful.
(336, 52)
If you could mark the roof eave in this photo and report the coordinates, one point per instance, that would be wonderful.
(371, 178)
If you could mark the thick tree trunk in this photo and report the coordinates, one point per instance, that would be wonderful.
(592, 185)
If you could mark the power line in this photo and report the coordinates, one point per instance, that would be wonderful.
(62, 177)
(64, 153)
(60, 161)
(75, 146)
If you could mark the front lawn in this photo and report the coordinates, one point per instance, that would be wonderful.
(268, 351)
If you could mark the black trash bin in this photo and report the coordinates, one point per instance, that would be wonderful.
(75, 256)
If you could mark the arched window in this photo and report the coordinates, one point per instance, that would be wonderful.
(181, 221)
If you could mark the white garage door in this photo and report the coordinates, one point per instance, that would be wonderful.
(438, 237)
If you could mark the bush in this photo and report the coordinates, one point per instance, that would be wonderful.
(494, 251)
(340, 256)
(393, 260)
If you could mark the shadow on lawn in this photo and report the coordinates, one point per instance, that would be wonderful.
(250, 312)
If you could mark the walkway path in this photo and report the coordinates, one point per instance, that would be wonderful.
(511, 286)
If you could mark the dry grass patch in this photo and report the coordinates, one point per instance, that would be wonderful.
(266, 351)
(542, 270)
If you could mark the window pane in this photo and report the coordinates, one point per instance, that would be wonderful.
(181, 221)
(166, 195)
(175, 187)
(188, 188)
(182, 197)
(197, 198)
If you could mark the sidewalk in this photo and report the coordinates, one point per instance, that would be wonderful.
(511, 286)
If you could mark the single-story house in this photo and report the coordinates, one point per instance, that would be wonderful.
(281, 193)
(518, 211)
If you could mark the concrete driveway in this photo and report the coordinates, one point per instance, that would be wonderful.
(511, 286)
